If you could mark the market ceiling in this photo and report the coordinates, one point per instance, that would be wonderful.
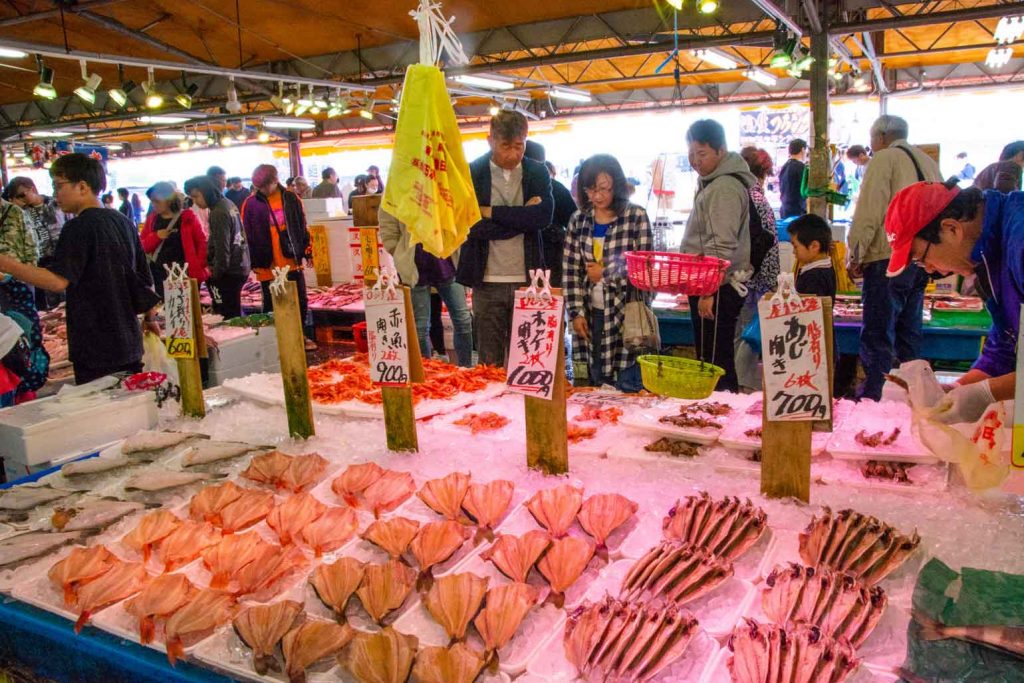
(617, 53)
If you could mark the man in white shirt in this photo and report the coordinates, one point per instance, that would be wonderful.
(891, 328)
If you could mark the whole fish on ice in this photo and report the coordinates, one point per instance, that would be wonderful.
(23, 498)
(205, 452)
(33, 544)
(92, 513)
(148, 441)
(161, 480)
(90, 466)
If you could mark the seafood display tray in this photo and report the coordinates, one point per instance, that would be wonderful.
(648, 422)
(718, 671)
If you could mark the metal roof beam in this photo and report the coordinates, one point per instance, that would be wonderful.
(922, 19)
(55, 13)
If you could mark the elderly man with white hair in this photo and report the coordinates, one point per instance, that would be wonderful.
(891, 331)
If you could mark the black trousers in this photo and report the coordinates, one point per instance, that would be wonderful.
(297, 277)
(84, 375)
(715, 339)
(226, 292)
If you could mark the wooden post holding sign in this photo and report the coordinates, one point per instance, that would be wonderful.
(321, 255)
(797, 357)
(536, 369)
(391, 348)
(184, 336)
(368, 251)
(291, 346)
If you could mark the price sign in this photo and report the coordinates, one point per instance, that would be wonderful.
(533, 356)
(180, 332)
(321, 253)
(795, 359)
(368, 252)
(1018, 404)
(387, 338)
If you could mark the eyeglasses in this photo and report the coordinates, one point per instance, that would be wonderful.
(919, 262)
(594, 191)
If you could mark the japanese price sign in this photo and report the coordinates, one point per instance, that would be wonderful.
(386, 336)
(369, 253)
(533, 356)
(795, 359)
(180, 334)
(1018, 403)
(321, 250)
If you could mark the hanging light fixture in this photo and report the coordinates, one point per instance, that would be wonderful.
(87, 91)
(185, 98)
(494, 109)
(44, 88)
(707, 6)
(233, 106)
(677, 5)
(716, 57)
(803, 62)
(154, 100)
(263, 135)
(761, 76)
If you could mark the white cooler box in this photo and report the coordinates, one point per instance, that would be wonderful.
(42, 431)
(241, 352)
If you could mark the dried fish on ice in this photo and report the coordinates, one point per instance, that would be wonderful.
(356, 479)
(262, 627)
(293, 515)
(456, 664)
(206, 505)
(795, 652)
(385, 587)
(727, 527)
(248, 509)
(78, 568)
(164, 596)
(150, 530)
(563, 564)
(454, 600)
(205, 452)
(206, 611)
(384, 657)
(612, 640)
(93, 466)
(677, 572)
(389, 491)
(311, 642)
(267, 468)
(555, 509)
(331, 530)
(92, 513)
(185, 544)
(303, 472)
(270, 565)
(857, 544)
(486, 504)
(27, 546)
(392, 535)
(445, 496)
(840, 604)
(515, 556)
(336, 583)
(436, 542)
(121, 581)
(504, 612)
(225, 559)
(601, 514)
(23, 498)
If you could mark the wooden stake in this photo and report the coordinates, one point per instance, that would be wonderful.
(820, 173)
(399, 411)
(291, 346)
(547, 441)
(190, 375)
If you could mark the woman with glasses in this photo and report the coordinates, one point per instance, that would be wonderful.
(597, 287)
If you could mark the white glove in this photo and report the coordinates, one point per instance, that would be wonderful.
(966, 403)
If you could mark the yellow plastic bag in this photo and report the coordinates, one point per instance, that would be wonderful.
(429, 187)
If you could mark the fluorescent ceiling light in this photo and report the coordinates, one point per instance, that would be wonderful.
(716, 57)
(171, 136)
(1008, 30)
(11, 53)
(761, 76)
(49, 134)
(707, 6)
(295, 124)
(571, 95)
(998, 57)
(485, 82)
(163, 119)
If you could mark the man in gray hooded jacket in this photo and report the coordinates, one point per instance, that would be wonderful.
(719, 226)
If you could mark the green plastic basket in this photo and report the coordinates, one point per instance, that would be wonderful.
(679, 377)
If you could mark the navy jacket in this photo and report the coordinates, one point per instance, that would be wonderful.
(506, 221)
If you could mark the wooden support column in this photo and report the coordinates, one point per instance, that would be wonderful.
(291, 346)
(189, 373)
(294, 154)
(820, 172)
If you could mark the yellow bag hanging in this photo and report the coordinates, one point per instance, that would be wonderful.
(430, 188)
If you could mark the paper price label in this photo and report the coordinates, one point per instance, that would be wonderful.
(369, 252)
(180, 334)
(533, 356)
(795, 360)
(386, 337)
(321, 249)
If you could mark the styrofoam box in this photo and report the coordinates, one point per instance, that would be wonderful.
(44, 430)
(254, 349)
(331, 207)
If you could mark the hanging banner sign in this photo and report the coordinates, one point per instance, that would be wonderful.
(795, 359)
(1018, 404)
(533, 356)
(386, 337)
(180, 334)
(321, 253)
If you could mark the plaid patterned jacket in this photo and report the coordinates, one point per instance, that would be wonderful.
(631, 232)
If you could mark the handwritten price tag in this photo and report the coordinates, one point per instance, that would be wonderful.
(321, 250)
(533, 357)
(180, 335)
(369, 252)
(795, 360)
(386, 337)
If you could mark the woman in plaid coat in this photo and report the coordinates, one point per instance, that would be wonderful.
(595, 277)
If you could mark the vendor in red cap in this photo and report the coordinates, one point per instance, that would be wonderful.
(944, 229)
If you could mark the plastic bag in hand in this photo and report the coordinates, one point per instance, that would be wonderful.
(155, 358)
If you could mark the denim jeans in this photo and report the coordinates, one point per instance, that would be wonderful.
(454, 296)
(628, 379)
(891, 330)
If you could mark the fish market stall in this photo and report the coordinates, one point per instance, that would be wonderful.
(236, 552)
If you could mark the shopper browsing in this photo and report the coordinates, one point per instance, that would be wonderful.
(172, 234)
(236, 192)
(892, 306)
(1005, 174)
(100, 264)
(553, 236)
(791, 177)
(516, 205)
(328, 185)
(597, 285)
(125, 206)
(227, 254)
(719, 226)
(944, 229)
(812, 243)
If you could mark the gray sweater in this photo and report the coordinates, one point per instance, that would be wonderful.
(719, 224)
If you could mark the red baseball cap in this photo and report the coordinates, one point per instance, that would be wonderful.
(913, 208)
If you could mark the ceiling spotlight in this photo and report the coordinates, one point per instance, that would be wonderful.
(44, 88)
(263, 136)
(120, 95)
(366, 114)
(183, 145)
(803, 63)
(488, 82)
(87, 91)
(154, 100)
(494, 110)
(677, 5)
(570, 94)
(233, 106)
(242, 137)
(185, 98)
(716, 57)
(707, 6)
(300, 109)
(226, 140)
(11, 53)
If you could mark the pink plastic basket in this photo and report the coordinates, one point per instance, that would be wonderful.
(671, 273)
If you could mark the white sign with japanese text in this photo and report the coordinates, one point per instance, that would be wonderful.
(795, 359)
(178, 325)
(386, 336)
(533, 356)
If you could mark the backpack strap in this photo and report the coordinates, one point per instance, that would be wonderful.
(913, 159)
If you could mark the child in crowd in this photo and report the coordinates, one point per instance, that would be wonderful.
(812, 242)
